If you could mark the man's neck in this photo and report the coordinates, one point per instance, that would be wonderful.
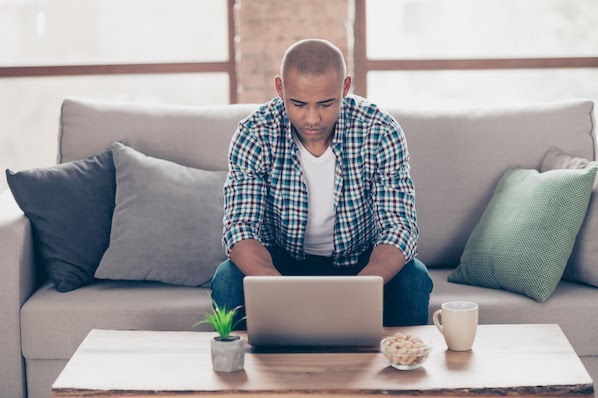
(316, 148)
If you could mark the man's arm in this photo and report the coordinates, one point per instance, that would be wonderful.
(252, 258)
(385, 261)
(393, 198)
(244, 202)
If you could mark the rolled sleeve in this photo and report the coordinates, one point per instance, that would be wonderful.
(402, 240)
(235, 234)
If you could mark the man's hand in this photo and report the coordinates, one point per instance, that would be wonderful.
(385, 261)
(252, 258)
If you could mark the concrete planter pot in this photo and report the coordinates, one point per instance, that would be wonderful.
(228, 355)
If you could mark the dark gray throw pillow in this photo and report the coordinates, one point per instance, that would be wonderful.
(70, 207)
(167, 223)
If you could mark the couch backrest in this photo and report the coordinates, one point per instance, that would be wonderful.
(193, 136)
(457, 156)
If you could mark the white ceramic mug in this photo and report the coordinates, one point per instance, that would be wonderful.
(458, 323)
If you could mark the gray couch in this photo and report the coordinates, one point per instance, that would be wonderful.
(457, 159)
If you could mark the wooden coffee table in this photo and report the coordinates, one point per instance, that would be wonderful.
(513, 360)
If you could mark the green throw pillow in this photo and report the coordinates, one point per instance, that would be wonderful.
(527, 232)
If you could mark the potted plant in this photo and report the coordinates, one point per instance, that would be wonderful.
(228, 352)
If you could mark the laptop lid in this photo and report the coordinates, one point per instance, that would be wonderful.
(313, 310)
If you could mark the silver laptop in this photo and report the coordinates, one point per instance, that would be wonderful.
(313, 310)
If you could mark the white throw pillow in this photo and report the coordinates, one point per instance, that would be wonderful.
(583, 263)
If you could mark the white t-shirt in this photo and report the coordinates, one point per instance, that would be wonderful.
(318, 173)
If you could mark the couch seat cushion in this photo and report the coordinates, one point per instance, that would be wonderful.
(572, 306)
(53, 324)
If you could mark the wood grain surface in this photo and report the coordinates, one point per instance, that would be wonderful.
(506, 360)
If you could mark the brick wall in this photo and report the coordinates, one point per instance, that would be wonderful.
(266, 28)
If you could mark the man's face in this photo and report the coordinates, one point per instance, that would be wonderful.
(313, 103)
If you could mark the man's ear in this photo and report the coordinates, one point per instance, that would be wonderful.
(278, 85)
(347, 85)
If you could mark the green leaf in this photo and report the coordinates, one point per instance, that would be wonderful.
(221, 319)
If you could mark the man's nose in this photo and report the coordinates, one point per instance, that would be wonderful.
(313, 116)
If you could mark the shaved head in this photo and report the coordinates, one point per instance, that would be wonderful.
(313, 84)
(313, 57)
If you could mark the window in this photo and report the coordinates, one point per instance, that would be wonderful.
(73, 32)
(429, 53)
(125, 50)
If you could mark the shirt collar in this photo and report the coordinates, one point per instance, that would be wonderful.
(286, 123)
(340, 130)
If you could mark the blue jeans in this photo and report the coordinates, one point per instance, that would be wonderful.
(406, 296)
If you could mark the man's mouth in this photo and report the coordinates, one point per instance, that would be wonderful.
(312, 130)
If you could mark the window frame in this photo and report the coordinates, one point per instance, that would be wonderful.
(227, 66)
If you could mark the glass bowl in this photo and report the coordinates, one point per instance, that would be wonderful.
(404, 351)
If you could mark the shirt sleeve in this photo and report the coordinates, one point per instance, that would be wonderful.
(393, 193)
(244, 190)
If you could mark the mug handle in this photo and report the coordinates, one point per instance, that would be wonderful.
(436, 321)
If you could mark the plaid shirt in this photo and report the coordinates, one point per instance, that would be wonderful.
(265, 195)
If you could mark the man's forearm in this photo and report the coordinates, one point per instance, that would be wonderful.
(385, 261)
(252, 258)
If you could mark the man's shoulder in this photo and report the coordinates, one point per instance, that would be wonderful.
(266, 116)
(363, 110)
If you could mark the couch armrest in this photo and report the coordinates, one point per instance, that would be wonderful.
(17, 282)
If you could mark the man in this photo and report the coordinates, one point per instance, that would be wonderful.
(319, 184)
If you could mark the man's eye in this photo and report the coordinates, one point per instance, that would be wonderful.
(326, 105)
(298, 105)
